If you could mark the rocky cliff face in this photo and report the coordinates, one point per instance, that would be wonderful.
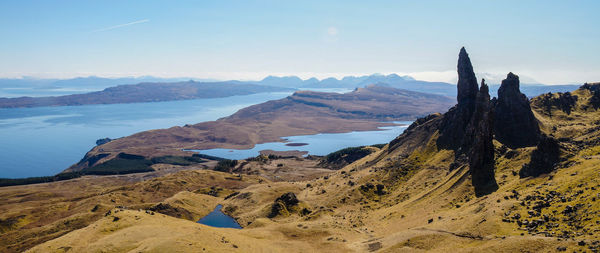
(480, 144)
(514, 125)
(470, 127)
(467, 128)
(454, 124)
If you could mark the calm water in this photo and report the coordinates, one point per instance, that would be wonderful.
(318, 144)
(218, 219)
(46, 140)
(33, 92)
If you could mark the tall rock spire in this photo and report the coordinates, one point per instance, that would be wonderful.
(479, 136)
(467, 128)
(467, 82)
(456, 120)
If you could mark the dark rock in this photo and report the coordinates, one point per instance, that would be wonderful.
(467, 82)
(594, 88)
(569, 209)
(289, 199)
(564, 102)
(103, 141)
(481, 154)
(543, 158)
(514, 125)
(467, 128)
(283, 204)
(455, 121)
(380, 190)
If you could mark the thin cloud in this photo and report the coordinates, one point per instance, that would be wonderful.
(332, 31)
(121, 25)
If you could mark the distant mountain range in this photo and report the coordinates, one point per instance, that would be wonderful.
(400, 82)
(91, 82)
(144, 92)
(217, 88)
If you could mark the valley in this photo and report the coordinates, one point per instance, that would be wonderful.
(455, 180)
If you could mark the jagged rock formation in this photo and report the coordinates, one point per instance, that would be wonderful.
(452, 130)
(514, 125)
(543, 158)
(467, 128)
(470, 126)
(480, 135)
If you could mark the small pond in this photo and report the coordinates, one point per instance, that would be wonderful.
(218, 219)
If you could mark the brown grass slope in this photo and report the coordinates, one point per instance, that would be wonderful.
(422, 205)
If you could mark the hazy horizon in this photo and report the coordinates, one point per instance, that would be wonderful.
(551, 42)
(490, 78)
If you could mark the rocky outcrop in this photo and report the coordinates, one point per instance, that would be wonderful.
(594, 88)
(563, 101)
(543, 158)
(514, 125)
(467, 82)
(467, 128)
(480, 142)
(103, 141)
(283, 204)
(452, 129)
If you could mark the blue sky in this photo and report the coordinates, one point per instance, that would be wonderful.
(548, 41)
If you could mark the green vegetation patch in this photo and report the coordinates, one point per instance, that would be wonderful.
(37, 180)
(123, 163)
(209, 157)
(379, 145)
(120, 165)
(226, 165)
(178, 160)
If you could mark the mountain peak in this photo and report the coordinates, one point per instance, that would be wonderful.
(467, 82)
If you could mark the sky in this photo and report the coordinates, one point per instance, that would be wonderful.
(552, 42)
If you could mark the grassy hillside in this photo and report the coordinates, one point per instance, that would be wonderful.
(415, 194)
